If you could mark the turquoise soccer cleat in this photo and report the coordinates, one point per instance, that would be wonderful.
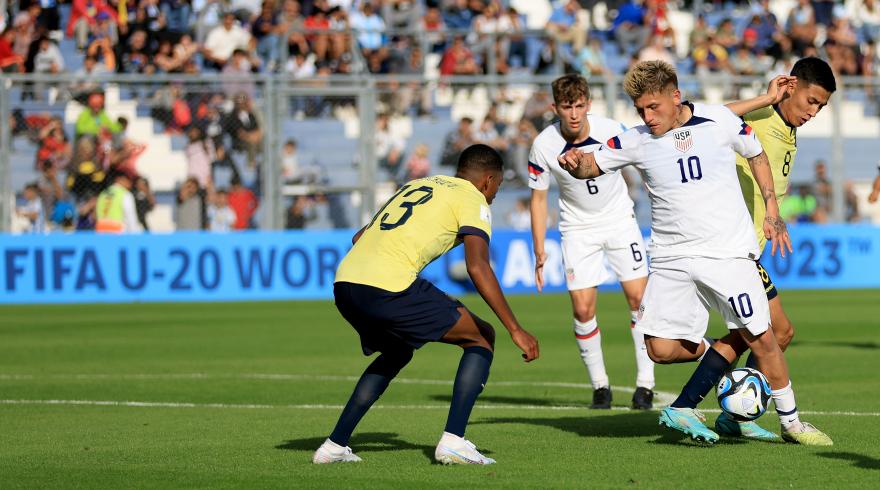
(727, 426)
(689, 421)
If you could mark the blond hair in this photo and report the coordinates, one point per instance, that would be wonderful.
(569, 88)
(649, 77)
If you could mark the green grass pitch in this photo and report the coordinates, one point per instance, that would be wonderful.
(240, 395)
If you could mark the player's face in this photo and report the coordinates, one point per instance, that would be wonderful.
(491, 184)
(806, 100)
(572, 116)
(659, 109)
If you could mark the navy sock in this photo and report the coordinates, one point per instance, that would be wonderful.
(473, 371)
(752, 361)
(369, 388)
(706, 376)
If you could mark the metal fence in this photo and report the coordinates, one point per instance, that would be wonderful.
(316, 153)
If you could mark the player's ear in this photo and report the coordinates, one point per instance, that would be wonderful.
(589, 105)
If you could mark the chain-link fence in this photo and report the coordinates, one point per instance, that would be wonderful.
(269, 152)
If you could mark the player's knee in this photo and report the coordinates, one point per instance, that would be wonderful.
(488, 334)
(390, 362)
(660, 353)
(584, 313)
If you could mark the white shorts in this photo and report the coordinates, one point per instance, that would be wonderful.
(583, 253)
(681, 291)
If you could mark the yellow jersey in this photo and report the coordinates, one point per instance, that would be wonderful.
(422, 221)
(779, 140)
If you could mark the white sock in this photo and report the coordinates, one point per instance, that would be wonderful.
(708, 341)
(589, 340)
(786, 407)
(644, 364)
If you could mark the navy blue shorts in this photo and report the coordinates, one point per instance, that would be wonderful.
(769, 287)
(408, 319)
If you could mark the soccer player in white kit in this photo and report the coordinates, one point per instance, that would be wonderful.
(703, 246)
(596, 221)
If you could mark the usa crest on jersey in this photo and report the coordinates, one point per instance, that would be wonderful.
(684, 140)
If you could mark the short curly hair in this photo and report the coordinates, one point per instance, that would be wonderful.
(649, 77)
(569, 88)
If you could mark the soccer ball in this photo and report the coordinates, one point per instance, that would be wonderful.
(744, 394)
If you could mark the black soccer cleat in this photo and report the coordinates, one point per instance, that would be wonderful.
(643, 399)
(601, 398)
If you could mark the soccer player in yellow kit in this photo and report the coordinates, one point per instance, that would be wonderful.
(775, 118)
(378, 291)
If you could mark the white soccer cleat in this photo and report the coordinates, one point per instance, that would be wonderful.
(457, 450)
(330, 452)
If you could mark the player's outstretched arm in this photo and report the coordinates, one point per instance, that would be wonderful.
(776, 91)
(538, 213)
(476, 254)
(774, 226)
(579, 164)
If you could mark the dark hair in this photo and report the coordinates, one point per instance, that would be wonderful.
(814, 71)
(569, 88)
(479, 158)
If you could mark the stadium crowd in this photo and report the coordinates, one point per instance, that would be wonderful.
(316, 38)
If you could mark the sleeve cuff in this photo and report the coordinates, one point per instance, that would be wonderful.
(472, 230)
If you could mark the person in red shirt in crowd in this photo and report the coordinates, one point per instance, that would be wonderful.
(9, 61)
(243, 202)
(84, 16)
(458, 60)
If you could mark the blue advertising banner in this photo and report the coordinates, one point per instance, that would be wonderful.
(193, 266)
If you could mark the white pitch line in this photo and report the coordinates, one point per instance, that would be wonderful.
(662, 398)
(144, 404)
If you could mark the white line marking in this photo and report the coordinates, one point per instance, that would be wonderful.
(661, 398)
(143, 404)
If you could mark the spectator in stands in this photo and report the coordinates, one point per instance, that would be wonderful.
(86, 177)
(84, 17)
(432, 25)
(116, 211)
(369, 27)
(244, 128)
(222, 160)
(865, 15)
(191, 205)
(243, 202)
(239, 65)
(418, 165)
(299, 213)
(875, 188)
(265, 31)
(223, 40)
(27, 29)
(537, 109)
(51, 191)
(389, 147)
(851, 203)
(592, 60)
(726, 35)
(144, 201)
(709, 57)
(457, 16)
(744, 62)
(50, 17)
(48, 59)
(137, 54)
(95, 118)
(54, 148)
(9, 61)
(458, 59)
(567, 27)
(301, 65)
(801, 25)
(798, 207)
(178, 17)
(657, 50)
(290, 25)
(200, 155)
(319, 42)
(32, 210)
(221, 218)
(520, 137)
(456, 141)
(519, 218)
(629, 28)
(486, 134)
(842, 47)
(401, 14)
(700, 31)
(821, 189)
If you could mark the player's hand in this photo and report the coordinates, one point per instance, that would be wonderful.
(780, 86)
(571, 160)
(527, 343)
(776, 231)
(540, 260)
(872, 198)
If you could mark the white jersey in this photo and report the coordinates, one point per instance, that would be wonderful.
(697, 208)
(595, 204)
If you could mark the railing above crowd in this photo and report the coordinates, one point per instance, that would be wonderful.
(227, 116)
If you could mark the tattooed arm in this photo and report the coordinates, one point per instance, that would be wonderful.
(579, 164)
(774, 226)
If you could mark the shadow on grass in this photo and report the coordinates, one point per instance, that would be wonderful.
(597, 423)
(517, 400)
(838, 343)
(858, 460)
(364, 442)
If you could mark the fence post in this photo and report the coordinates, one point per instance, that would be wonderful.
(6, 192)
(838, 211)
(271, 173)
(367, 124)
